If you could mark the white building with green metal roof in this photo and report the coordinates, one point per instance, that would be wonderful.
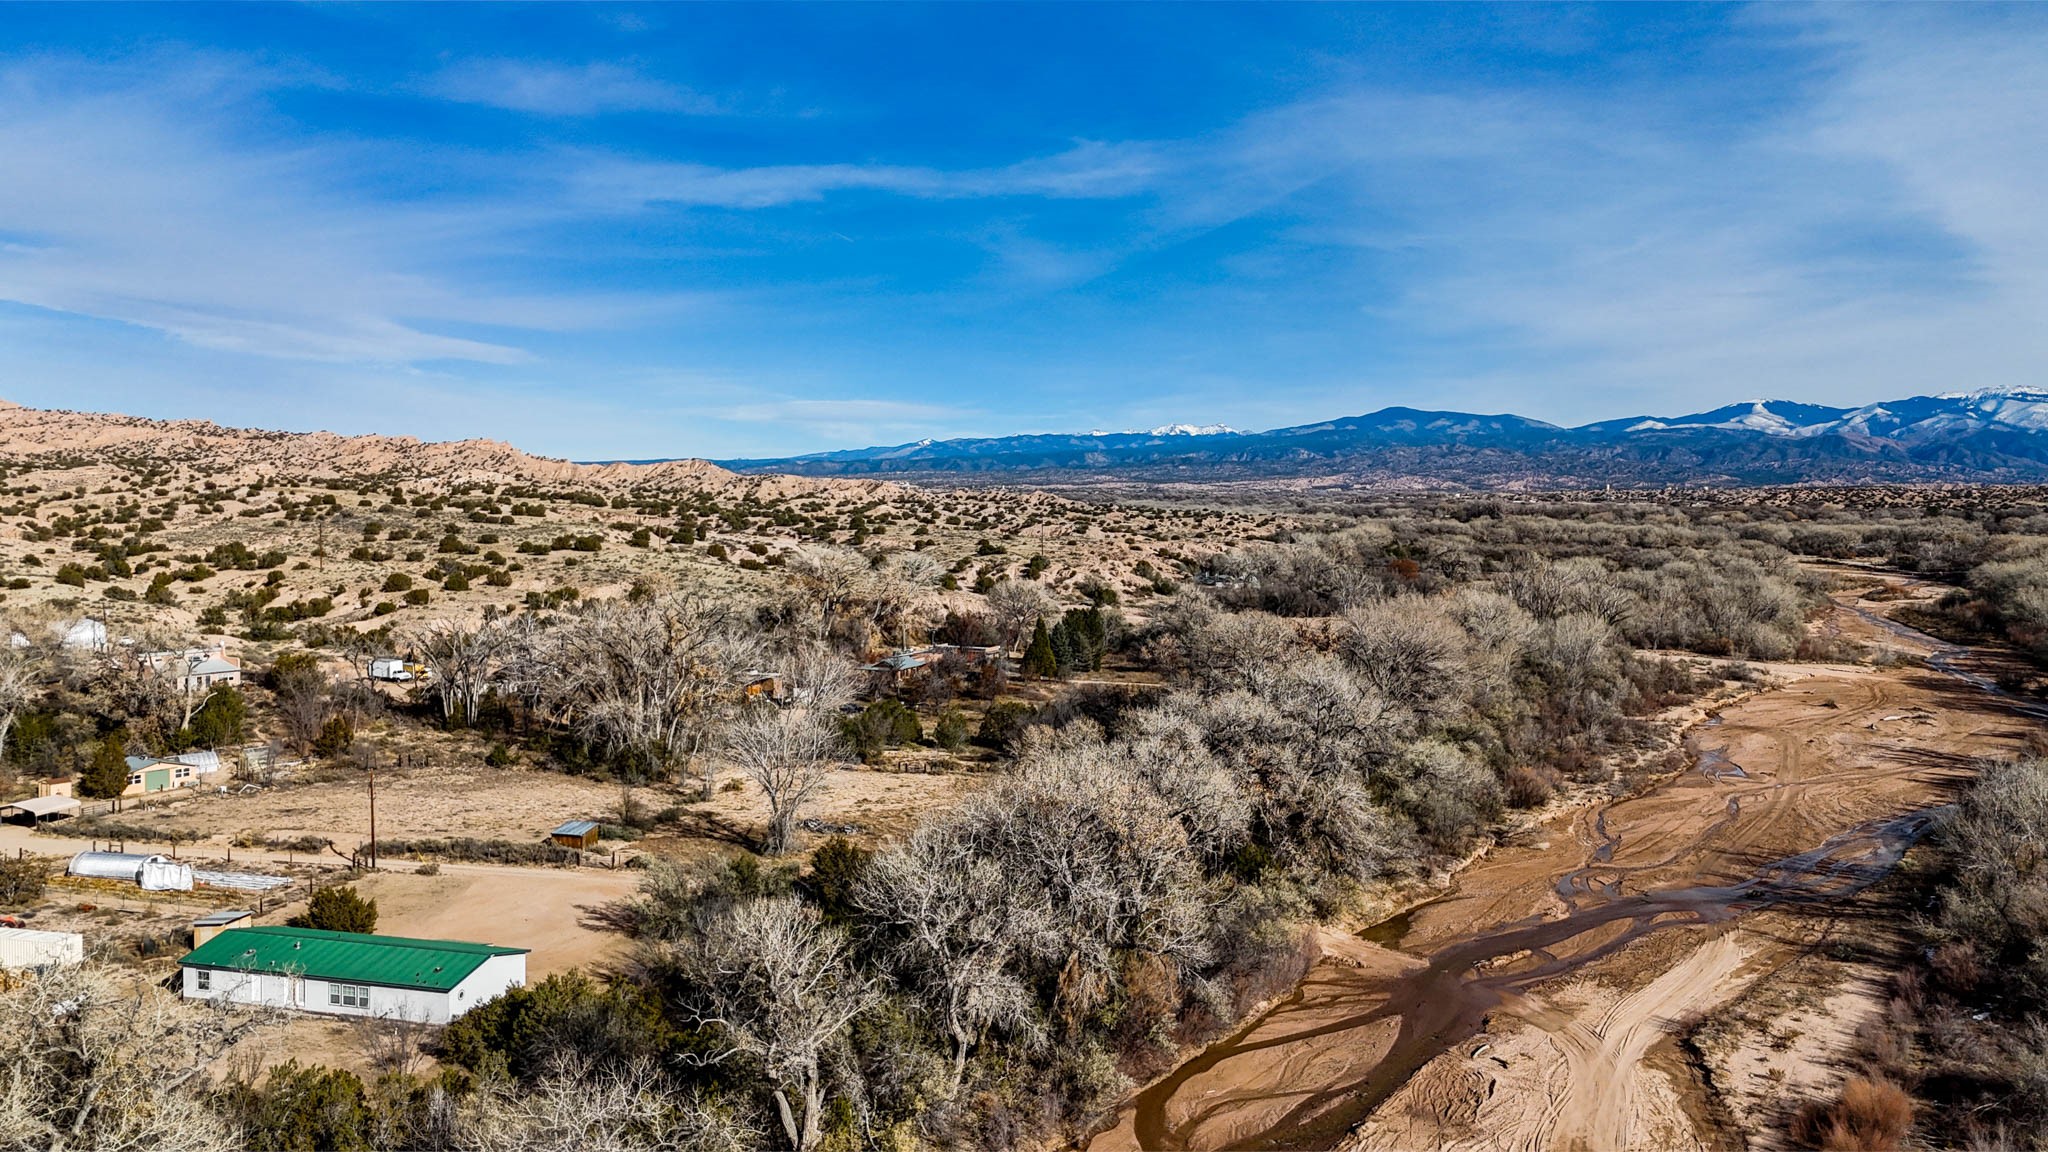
(350, 973)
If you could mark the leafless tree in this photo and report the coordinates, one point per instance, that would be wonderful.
(781, 989)
(788, 752)
(579, 1109)
(954, 921)
(393, 1043)
(97, 1060)
(659, 679)
(1111, 865)
(303, 705)
(1411, 650)
(463, 658)
(902, 599)
(18, 683)
(1223, 650)
(819, 678)
(827, 580)
(1017, 605)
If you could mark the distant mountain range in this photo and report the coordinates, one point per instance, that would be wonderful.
(1992, 435)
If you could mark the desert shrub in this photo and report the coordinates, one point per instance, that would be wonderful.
(836, 868)
(524, 1032)
(1871, 1114)
(1004, 721)
(304, 1109)
(472, 849)
(21, 880)
(1526, 787)
(882, 724)
(951, 731)
(336, 737)
(1995, 894)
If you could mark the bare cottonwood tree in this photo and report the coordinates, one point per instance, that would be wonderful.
(575, 1108)
(658, 679)
(954, 922)
(463, 658)
(18, 682)
(827, 580)
(1017, 605)
(1113, 869)
(781, 989)
(97, 1060)
(903, 597)
(788, 752)
(1412, 650)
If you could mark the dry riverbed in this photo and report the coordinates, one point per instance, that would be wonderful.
(1538, 1004)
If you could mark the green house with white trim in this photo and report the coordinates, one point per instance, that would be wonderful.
(350, 973)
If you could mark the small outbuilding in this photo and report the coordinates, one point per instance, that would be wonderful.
(350, 973)
(214, 923)
(40, 808)
(579, 834)
(26, 948)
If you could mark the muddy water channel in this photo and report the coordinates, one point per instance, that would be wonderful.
(1804, 794)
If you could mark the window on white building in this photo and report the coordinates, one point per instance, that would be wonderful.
(202, 980)
(348, 995)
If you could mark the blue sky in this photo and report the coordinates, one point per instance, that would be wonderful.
(601, 231)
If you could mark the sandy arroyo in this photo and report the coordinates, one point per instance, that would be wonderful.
(1520, 1010)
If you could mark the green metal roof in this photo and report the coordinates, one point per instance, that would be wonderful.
(392, 961)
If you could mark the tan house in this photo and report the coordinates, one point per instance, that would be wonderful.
(148, 774)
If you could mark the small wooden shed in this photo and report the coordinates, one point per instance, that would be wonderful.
(214, 923)
(578, 834)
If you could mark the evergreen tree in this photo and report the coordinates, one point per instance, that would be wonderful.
(951, 731)
(1090, 632)
(1067, 651)
(1040, 661)
(340, 909)
(107, 776)
(220, 721)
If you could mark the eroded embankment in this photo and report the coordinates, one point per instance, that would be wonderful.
(1805, 795)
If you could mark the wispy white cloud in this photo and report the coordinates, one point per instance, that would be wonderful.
(545, 88)
(1089, 170)
(163, 198)
(1571, 249)
(1578, 254)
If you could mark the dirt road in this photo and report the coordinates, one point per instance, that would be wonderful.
(1517, 1011)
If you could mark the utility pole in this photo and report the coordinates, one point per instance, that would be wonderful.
(373, 815)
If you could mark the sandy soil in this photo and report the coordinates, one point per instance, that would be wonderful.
(1521, 1008)
(509, 804)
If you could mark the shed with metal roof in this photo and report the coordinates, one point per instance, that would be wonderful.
(350, 973)
(579, 834)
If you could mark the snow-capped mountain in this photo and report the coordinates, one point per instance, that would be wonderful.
(1992, 434)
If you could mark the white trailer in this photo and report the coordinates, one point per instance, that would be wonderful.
(26, 948)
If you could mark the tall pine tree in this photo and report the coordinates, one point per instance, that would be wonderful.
(1039, 660)
(107, 776)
